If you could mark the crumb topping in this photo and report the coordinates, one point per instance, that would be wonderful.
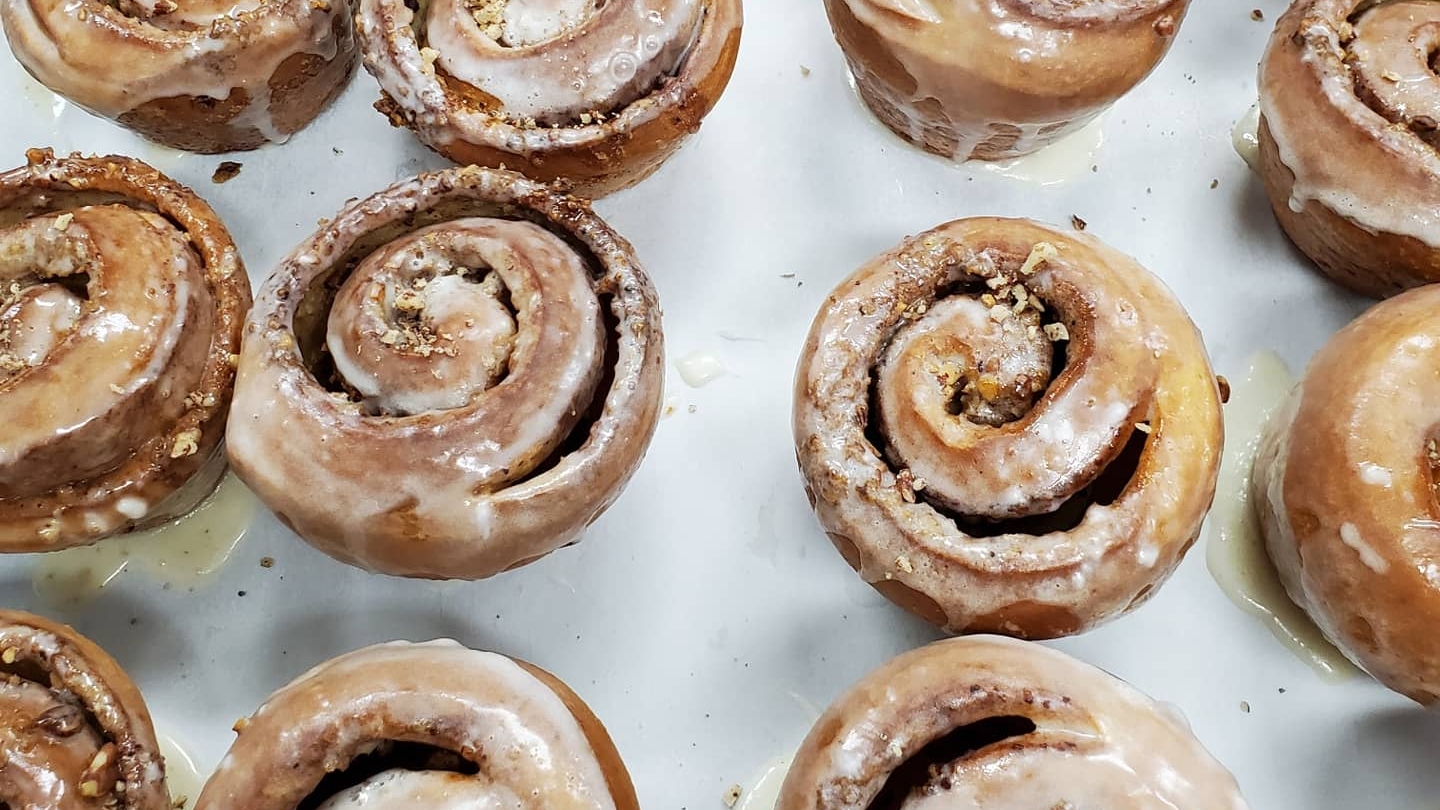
(187, 443)
(490, 16)
(1040, 254)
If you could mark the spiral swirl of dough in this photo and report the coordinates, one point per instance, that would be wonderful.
(1350, 123)
(598, 95)
(1008, 429)
(451, 379)
(74, 731)
(121, 303)
(995, 723)
(433, 725)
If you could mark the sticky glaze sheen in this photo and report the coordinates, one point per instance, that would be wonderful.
(998, 79)
(1097, 742)
(1348, 135)
(1135, 363)
(82, 722)
(467, 491)
(113, 400)
(1345, 490)
(473, 703)
(1235, 552)
(601, 64)
(116, 60)
(598, 97)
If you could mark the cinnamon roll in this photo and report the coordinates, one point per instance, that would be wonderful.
(451, 378)
(121, 303)
(431, 725)
(1002, 78)
(1345, 486)
(199, 75)
(1350, 122)
(995, 722)
(595, 94)
(1005, 428)
(74, 731)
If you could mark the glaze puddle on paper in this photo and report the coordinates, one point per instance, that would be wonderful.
(1235, 550)
(184, 553)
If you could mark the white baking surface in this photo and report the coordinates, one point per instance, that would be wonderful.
(706, 618)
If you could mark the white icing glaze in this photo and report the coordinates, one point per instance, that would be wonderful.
(918, 10)
(1245, 137)
(1067, 159)
(110, 63)
(467, 337)
(1097, 742)
(699, 369)
(1375, 475)
(182, 777)
(595, 64)
(1144, 363)
(118, 356)
(1350, 536)
(531, 750)
(470, 498)
(530, 22)
(999, 79)
(1318, 122)
(765, 791)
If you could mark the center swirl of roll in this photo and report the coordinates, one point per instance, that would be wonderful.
(1392, 49)
(970, 402)
(495, 317)
(104, 330)
(559, 62)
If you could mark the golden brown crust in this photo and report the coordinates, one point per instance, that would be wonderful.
(1352, 173)
(489, 471)
(616, 150)
(96, 730)
(1344, 486)
(963, 475)
(492, 727)
(152, 421)
(204, 77)
(993, 722)
(950, 79)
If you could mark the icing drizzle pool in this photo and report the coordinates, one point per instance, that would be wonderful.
(186, 552)
(1235, 551)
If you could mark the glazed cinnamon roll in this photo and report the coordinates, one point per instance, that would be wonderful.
(1345, 487)
(1350, 122)
(993, 722)
(999, 79)
(431, 725)
(451, 378)
(121, 303)
(1005, 428)
(199, 75)
(74, 731)
(595, 94)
